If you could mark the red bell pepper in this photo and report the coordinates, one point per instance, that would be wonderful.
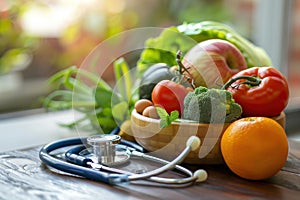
(261, 91)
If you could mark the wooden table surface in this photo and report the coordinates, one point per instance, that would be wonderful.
(23, 176)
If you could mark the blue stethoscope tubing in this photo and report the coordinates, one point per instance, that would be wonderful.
(77, 164)
(89, 173)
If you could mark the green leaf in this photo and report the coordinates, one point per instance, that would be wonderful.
(103, 97)
(174, 115)
(165, 118)
(163, 49)
(123, 78)
(161, 112)
(120, 111)
(106, 124)
(107, 112)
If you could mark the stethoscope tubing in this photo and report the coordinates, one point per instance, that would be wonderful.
(77, 164)
(48, 159)
(72, 155)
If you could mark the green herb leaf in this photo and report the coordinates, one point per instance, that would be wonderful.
(174, 115)
(165, 118)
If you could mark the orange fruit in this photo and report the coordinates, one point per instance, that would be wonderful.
(254, 148)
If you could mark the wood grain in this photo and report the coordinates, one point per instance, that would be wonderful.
(23, 176)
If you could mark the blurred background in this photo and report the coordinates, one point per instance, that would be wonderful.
(41, 37)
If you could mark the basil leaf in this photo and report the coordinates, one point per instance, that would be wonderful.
(165, 118)
(174, 115)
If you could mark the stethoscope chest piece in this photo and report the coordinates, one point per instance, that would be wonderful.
(105, 151)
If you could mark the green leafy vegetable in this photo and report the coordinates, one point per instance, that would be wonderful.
(185, 36)
(165, 118)
(102, 107)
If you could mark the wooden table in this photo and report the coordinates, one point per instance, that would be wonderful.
(23, 176)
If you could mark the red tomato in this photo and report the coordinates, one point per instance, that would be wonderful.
(169, 95)
(264, 93)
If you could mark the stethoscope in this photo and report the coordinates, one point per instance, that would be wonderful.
(95, 158)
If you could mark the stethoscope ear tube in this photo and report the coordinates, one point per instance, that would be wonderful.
(61, 165)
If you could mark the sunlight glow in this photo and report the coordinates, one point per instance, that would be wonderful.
(52, 18)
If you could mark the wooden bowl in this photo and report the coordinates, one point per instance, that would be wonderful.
(168, 142)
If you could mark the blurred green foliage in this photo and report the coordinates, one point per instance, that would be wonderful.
(93, 25)
(15, 46)
(99, 24)
(178, 11)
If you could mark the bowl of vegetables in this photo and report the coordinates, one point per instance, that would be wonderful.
(170, 141)
(163, 125)
(227, 82)
(165, 134)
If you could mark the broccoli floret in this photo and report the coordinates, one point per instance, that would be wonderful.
(211, 106)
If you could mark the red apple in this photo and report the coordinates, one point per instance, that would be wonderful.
(211, 63)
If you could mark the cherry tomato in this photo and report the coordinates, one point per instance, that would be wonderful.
(261, 91)
(169, 95)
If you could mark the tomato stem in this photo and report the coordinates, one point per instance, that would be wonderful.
(250, 80)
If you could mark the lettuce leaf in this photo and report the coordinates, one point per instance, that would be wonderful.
(163, 48)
